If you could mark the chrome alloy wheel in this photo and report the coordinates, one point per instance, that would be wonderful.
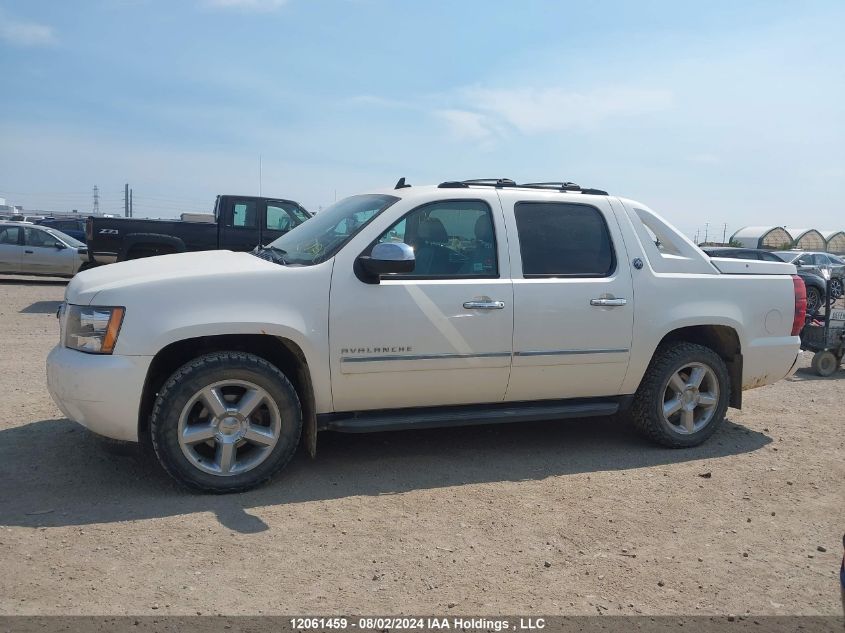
(690, 398)
(229, 427)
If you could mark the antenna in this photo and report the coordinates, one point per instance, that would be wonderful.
(259, 174)
(96, 210)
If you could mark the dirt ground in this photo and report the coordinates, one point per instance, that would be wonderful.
(571, 517)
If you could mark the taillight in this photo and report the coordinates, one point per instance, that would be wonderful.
(89, 229)
(800, 304)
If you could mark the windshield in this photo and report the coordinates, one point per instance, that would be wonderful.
(322, 236)
(64, 237)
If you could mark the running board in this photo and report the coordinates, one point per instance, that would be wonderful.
(434, 417)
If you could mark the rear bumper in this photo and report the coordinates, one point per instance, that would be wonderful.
(100, 392)
(768, 360)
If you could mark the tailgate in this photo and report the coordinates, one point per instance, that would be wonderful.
(733, 266)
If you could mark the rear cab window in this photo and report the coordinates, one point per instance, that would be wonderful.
(560, 239)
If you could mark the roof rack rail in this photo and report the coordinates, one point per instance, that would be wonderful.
(507, 182)
(487, 182)
(564, 186)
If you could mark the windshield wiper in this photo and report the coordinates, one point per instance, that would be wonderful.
(271, 253)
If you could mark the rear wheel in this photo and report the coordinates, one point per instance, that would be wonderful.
(226, 422)
(836, 287)
(825, 363)
(683, 397)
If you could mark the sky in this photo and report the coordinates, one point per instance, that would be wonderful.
(709, 112)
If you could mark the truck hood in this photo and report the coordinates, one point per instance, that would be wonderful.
(162, 269)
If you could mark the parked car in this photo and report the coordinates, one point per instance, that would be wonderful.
(28, 249)
(825, 264)
(815, 284)
(465, 303)
(29, 219)
(239, 223)
(75, 227)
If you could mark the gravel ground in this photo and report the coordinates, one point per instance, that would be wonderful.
(574, 517)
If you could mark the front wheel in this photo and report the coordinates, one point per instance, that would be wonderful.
(683, 397)
(225, 422)
(836, 287)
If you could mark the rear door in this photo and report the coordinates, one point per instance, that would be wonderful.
(240, 229)
(11, 249)
(573, 297)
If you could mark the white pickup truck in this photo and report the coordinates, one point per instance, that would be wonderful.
(470, 302)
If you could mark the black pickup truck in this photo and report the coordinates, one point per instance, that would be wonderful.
(239, 223)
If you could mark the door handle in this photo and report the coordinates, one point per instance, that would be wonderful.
(608, 303)
(484, 305)
(28, 252)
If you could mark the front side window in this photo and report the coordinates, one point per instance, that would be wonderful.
(322, 236)
(9, 234)
(244, 214)
(450, 239)
(563, 240)
(278, 219)
(41, 239)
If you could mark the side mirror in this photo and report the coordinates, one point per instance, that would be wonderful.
(60, 246)
(387, 258)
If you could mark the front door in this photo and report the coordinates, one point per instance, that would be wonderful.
(11, 250)
(573, 292)
(438, 336)
(43, 254)
(280, 217)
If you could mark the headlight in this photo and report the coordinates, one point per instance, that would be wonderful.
(91, 329)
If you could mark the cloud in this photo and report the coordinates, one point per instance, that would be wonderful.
(467, 126)
(261, 6)
(21, 33)
(541, 110)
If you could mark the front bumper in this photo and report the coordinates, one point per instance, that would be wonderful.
(100, 392)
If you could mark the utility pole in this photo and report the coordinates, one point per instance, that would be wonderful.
(725, 233)
(126, 200)
(96, 210)
(131, 209)
(259, 175)
(706, 231)
(696, 236)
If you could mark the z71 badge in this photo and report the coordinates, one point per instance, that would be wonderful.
(109, 231)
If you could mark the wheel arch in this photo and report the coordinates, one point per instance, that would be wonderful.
(722, 339)
(281, 352)
(153, 240)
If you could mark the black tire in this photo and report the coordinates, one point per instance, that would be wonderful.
(647, 408)
(200, 373)
(825, 363)
(814, 300)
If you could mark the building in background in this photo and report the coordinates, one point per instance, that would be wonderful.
(779, 238)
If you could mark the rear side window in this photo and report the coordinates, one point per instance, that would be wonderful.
(563, 240)
(244, 214)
